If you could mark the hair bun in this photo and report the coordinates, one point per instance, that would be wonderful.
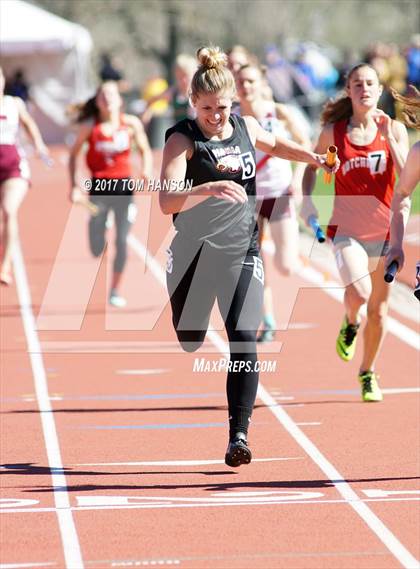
(211, 57)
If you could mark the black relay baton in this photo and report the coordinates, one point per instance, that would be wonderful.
(390, 272)
(319, 234)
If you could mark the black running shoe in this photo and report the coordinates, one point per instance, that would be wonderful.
(238, 452)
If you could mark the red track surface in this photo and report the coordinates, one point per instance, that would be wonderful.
(276, 513)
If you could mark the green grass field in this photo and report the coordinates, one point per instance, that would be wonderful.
(323, 198)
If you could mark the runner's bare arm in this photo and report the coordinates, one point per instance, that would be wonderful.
(31, 127)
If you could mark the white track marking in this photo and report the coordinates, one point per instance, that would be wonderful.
(180, 462)
(283, 397)
(391, 390)
(165, 502)
(69, 538)
(154, 371)
(16, 503)
(401, 553)
(387, 493)
(23, 565)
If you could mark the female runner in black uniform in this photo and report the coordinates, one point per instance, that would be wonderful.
(215, 253)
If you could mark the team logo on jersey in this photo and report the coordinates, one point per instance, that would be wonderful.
(230, 163)
(119, 143)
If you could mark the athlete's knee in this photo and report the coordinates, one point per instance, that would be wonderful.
(121, 242)
(356, 295)
(190, 340)
(97, 248)
(242, 341)
(9, 214)
(286, 265)
(119, 262)
(377, 312)
(286, 270)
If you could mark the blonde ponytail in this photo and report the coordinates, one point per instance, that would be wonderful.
(212, 75)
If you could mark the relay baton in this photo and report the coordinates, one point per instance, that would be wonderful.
(331, 158)
(91, 207)
(417, 287)
(83, 201)
(319, 234)
(48, 161)
(390, 272)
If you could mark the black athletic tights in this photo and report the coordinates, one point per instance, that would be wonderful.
(195, 280)
(97, 226)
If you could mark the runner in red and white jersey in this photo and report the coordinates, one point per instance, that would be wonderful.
(14, 171)
(371, 148)
(109, 134)
(364, 186)
(109, 155)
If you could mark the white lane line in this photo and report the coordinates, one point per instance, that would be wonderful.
(69, 538)
(154, 371)
(22, 565)
(164, 502)
(181, 462)
(135, 563)
(401, 553)
(401, 390)
(283, 397)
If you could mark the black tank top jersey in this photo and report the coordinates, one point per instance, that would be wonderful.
(227, 226)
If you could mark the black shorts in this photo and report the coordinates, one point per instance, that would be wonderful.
(110, 187)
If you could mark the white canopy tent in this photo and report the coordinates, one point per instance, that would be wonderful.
(55, 56)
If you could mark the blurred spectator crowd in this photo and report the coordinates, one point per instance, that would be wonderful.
(302, 74)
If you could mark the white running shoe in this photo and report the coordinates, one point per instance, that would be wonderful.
(116, 300)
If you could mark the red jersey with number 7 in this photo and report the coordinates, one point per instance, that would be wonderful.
(364, 187)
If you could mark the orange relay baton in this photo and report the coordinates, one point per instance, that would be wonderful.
(331, 158)
(91, 207)
(80, 199)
